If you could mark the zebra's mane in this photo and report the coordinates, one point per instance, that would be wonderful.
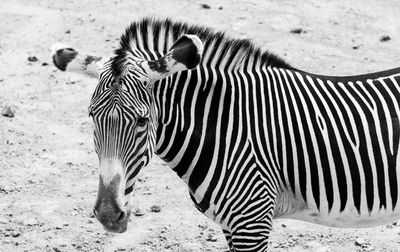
(227, 49)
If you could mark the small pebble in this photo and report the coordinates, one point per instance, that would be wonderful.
(32, 59)
(212, 238)
(45, 64)
(155, 208)
(7, 111)
(203, 226)
(90, 215)
(15, 234)
(384, 38)
(205, 6)
(359, 242)
(298, 31)
(67, 31)
(138, 212)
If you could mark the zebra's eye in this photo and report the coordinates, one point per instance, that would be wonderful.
(142, 121)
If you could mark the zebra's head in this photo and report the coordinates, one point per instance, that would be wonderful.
(124, 123)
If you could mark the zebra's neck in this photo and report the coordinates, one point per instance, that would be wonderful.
(206, 118)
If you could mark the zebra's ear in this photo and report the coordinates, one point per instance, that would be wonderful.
(184, 54)
(68, 59)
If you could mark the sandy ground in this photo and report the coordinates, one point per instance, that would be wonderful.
(48, 170)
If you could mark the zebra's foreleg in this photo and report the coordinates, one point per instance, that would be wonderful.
(253, 228)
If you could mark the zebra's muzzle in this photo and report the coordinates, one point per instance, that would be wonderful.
(111, 213)
(115, 221)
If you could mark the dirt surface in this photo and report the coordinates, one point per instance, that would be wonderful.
(48, 169)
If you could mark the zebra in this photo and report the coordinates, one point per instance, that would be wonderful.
(252, 137)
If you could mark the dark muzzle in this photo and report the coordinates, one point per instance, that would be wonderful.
(108, 211)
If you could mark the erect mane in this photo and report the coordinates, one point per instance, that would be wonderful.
(144, 36)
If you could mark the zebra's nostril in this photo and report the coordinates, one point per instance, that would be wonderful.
(121, 216)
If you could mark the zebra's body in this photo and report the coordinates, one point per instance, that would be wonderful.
(252, 137)
(349, 147)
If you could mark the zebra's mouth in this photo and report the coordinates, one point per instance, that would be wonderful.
(118, 226)
(119, 229)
